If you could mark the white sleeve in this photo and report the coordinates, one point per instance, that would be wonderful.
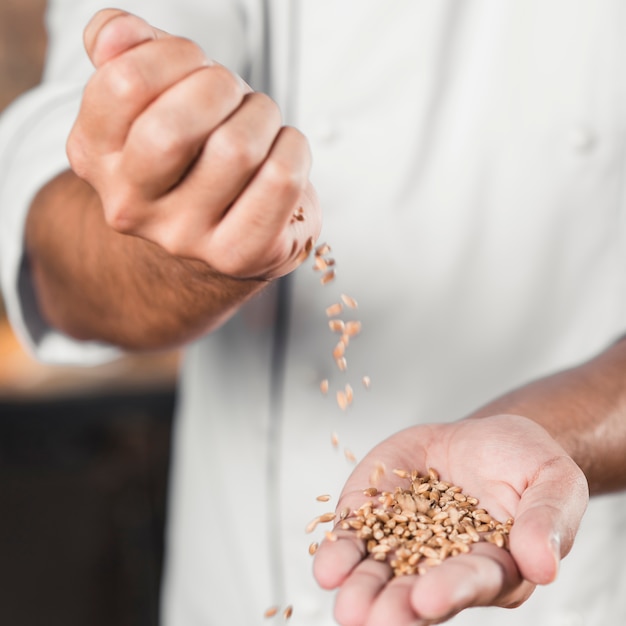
(34, 130)
(32, 151)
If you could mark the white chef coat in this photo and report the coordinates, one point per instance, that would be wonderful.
(469, 157)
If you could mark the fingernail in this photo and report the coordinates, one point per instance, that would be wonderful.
(555, 548)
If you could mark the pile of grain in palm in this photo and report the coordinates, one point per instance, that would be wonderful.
(417, 527)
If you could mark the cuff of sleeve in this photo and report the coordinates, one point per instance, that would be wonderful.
(33, 133)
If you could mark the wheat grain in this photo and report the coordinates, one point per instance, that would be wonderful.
(414, 530)
(349, 301)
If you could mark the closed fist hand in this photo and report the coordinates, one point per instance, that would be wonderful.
(183, 153)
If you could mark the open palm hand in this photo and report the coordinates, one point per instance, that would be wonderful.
(515, 469)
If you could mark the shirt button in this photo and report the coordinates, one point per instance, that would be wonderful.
(581, 139)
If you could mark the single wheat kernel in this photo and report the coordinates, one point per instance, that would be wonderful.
(342, 364)
(349, 456)
(349, 393)
(313, 547)
(271, 611)
(353, 328)
(334, 440)
(322, 249)
(312, 525)
(327, 277)
(367, 382)
(288, 612)
(326, 517)
(342, 401)
(339, 351)
(323, 498)
(319, 264)
(337, 326)
(472, 532)
(334, 309)
(330, 535)
(349, 301)
(370, 492)
(324, 386)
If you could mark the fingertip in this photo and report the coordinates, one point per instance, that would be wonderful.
(334, 561)
(554, 545)
(428, 601)
(113, 31)
(95, 26)
(551, 562)
(548, 518)
(536, 548)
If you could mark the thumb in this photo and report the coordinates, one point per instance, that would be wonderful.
(548, 518)
(112, 32)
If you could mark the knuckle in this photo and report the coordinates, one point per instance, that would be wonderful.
(154, 135)
(235, 148)
(123, 79)
(298, 141)
(230, 85)
(119, 214)
(77, 152)
(287, 170)
(282, 178)
(186, 47)
(267, 105)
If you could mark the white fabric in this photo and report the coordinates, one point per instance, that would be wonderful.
(469, 157)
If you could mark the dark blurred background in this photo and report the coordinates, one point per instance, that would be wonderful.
(84, 453)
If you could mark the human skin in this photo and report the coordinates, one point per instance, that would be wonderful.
(141, 247)
(179, 206)
(535, 455)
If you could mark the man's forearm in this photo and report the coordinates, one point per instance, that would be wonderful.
(584, 408)
(95, 283)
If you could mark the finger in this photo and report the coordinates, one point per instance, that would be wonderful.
(256, 225)
(548, 518)
(171, 133)
(126, 85)
(356, 597)
(486, 576)
(112, 31)
(393, 606)
(335, 560)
